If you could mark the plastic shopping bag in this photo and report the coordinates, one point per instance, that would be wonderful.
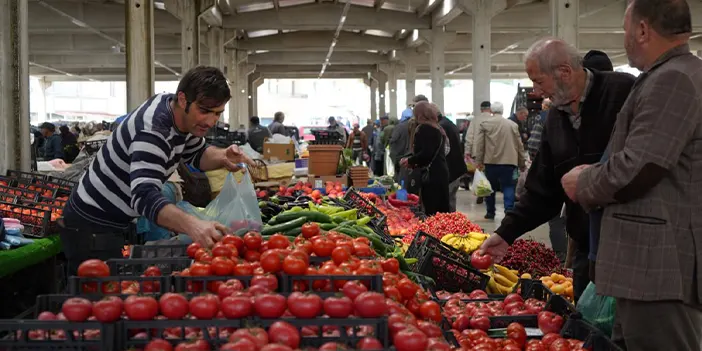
(470, 163)
(481, 185)
(389, 166)
(596, 309)
(236, 205)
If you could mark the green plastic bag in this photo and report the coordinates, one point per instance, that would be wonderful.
(597, 310)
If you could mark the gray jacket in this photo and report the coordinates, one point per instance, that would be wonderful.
(277, 128)
(399, 141)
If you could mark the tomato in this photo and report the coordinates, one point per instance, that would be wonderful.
(93, 268)
(222, 265)
(270, 305)
(158, 345)
(152, 271)
(301, 254)
(369, 343)
(410, 339)
(235, 307)
(269, 281)
(278, 241)
(559, 345)
(480, 322)
(549, 338)
(272, 261)
(173, 306)
(140, 308)
(243, 268)
(199, 269)
(516, 332)
(480, 261)
(276, 347)
(340, 255)
(407, 288)
(370, 305)
(332, 346)
(240, 345)
(220, 250)
(362, 250)
(391, 265)
(252, 256)
(204, 306)
(284, 333)
(322, 246)
(338, 307)
(294, 265)
(430, 310)
(478, 295)
(353, 288)
(234, 240)
(549, 322)
(304, 305)
(229, 287)
(253, 240)
(108, 310)
(257, 335)
(194, 345)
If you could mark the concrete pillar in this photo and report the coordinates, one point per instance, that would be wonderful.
(565, 20)
(437, 66)
(482, 24)
(410, 82)
(41, 100)
(233, 77)
(15, 152)
(243, 94)
(373, 99)
(189, 14)
(392, 89)
(215, 42)
(382, 82)
(255, 81)
(699, 53)
(139, 24)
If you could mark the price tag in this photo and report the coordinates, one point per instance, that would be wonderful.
(533, 332)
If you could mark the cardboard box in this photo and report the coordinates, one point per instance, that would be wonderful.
(321, 181)
(278, 152)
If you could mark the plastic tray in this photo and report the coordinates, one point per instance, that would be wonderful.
(64, 184)
(114, 285)
(37, 223)
(7, 198)
(21, 193)
(190, 284)
(363, 205)
(41, 186)
(159, 251)
(29, 176)
(447, 273)
(290, 283)
(577, 328)
(137, 266)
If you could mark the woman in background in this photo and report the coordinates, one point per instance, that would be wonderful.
(69, 144)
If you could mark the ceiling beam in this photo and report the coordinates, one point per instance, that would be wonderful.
(446, 12)
(314, 69)
(309, 75)
(324, 16)
(306, 58)
(317, 41)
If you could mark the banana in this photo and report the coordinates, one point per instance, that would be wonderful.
(447, 238)
(478, 236)
(492, 286)
(502, 280)
(505, 272)
(504, 290)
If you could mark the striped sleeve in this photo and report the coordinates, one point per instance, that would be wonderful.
(149, 153)
(194, 148)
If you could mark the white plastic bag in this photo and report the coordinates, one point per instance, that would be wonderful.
(481, 185)
(236, 205)
(389, 167)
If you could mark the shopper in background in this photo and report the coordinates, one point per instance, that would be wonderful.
(125, 179)
(334, 125)
(472, 133)
(598, 60)
(52, 145)
(69, 144)
(430, 146)
(368, 131)
(277, 126)
(400, 142)
(650, 248)
(576, 132)
(498, 148)
(456, 164)
(357, 143)
(257, 134)
(520, 118)
(379, 148)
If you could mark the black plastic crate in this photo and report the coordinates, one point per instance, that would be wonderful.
(593, 338)
(137, 266)
(40, 186)
(37, 222)
(447, 273)
(326, 137)
(116, 285)
(64, 184)
(29, 176)
(34, 335)
(159, 251)
(424, 241)
(364, 206)
(21, 193)
(192, 284)
(7, 198)
(290, 283)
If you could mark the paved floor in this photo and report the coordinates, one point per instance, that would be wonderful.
(476, 213)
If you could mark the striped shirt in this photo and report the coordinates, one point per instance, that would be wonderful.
(124, 180)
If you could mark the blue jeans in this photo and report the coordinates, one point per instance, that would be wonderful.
(501, 176)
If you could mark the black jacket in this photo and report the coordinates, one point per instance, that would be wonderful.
(456, 163)
(562, 148)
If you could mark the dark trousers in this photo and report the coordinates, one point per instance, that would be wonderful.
(657, 325)
(502, 177)
(558, 237)
(581, 272)
(83, 240)
(379, 169)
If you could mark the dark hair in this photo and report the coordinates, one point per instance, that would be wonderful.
(67, 137)
(254, 121)
(50, 126)
(64, 129)
(77, 129)
(277, 116)
(598, 61)
(420, 98)
(667, 17)
(205, 85)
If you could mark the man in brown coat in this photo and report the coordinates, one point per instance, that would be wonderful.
(650, 248)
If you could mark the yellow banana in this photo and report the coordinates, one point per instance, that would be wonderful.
(492, 286)
(504, 271)
(478, 236)
(502, 280)
(504, 290)
(446, 238)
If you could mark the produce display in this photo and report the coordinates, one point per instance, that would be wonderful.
(559, 284)
(467, 243)
(532, 257)
(446, 223)
(400, 221)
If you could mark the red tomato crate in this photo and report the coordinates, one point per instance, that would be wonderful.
(37, 222)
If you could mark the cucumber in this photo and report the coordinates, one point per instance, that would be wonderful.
(294, 232)
(311, 216)
(284, 227)
(327, 226)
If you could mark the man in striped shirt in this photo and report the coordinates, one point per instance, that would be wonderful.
(124, 181)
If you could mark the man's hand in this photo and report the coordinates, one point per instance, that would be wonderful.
(570, 181)
(494, 246)
(403, 162)
(233, 158)
(206, 233)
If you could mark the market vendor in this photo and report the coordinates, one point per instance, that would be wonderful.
(576, 132)
(124, 181)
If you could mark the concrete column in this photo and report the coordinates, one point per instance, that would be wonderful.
(565, 20)
(41, 103)
(381, 96)
(233, 77)
(373, 99)
(392, 90)
(699, 53)
(243, 83)
(139, 24)
(255, 81)
(437, 66)
(410, 82)
(482, 24)
(189, 14)
(215, 41)
(15, 150)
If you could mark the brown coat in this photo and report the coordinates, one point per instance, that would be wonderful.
(650, 245)
(364, 140)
